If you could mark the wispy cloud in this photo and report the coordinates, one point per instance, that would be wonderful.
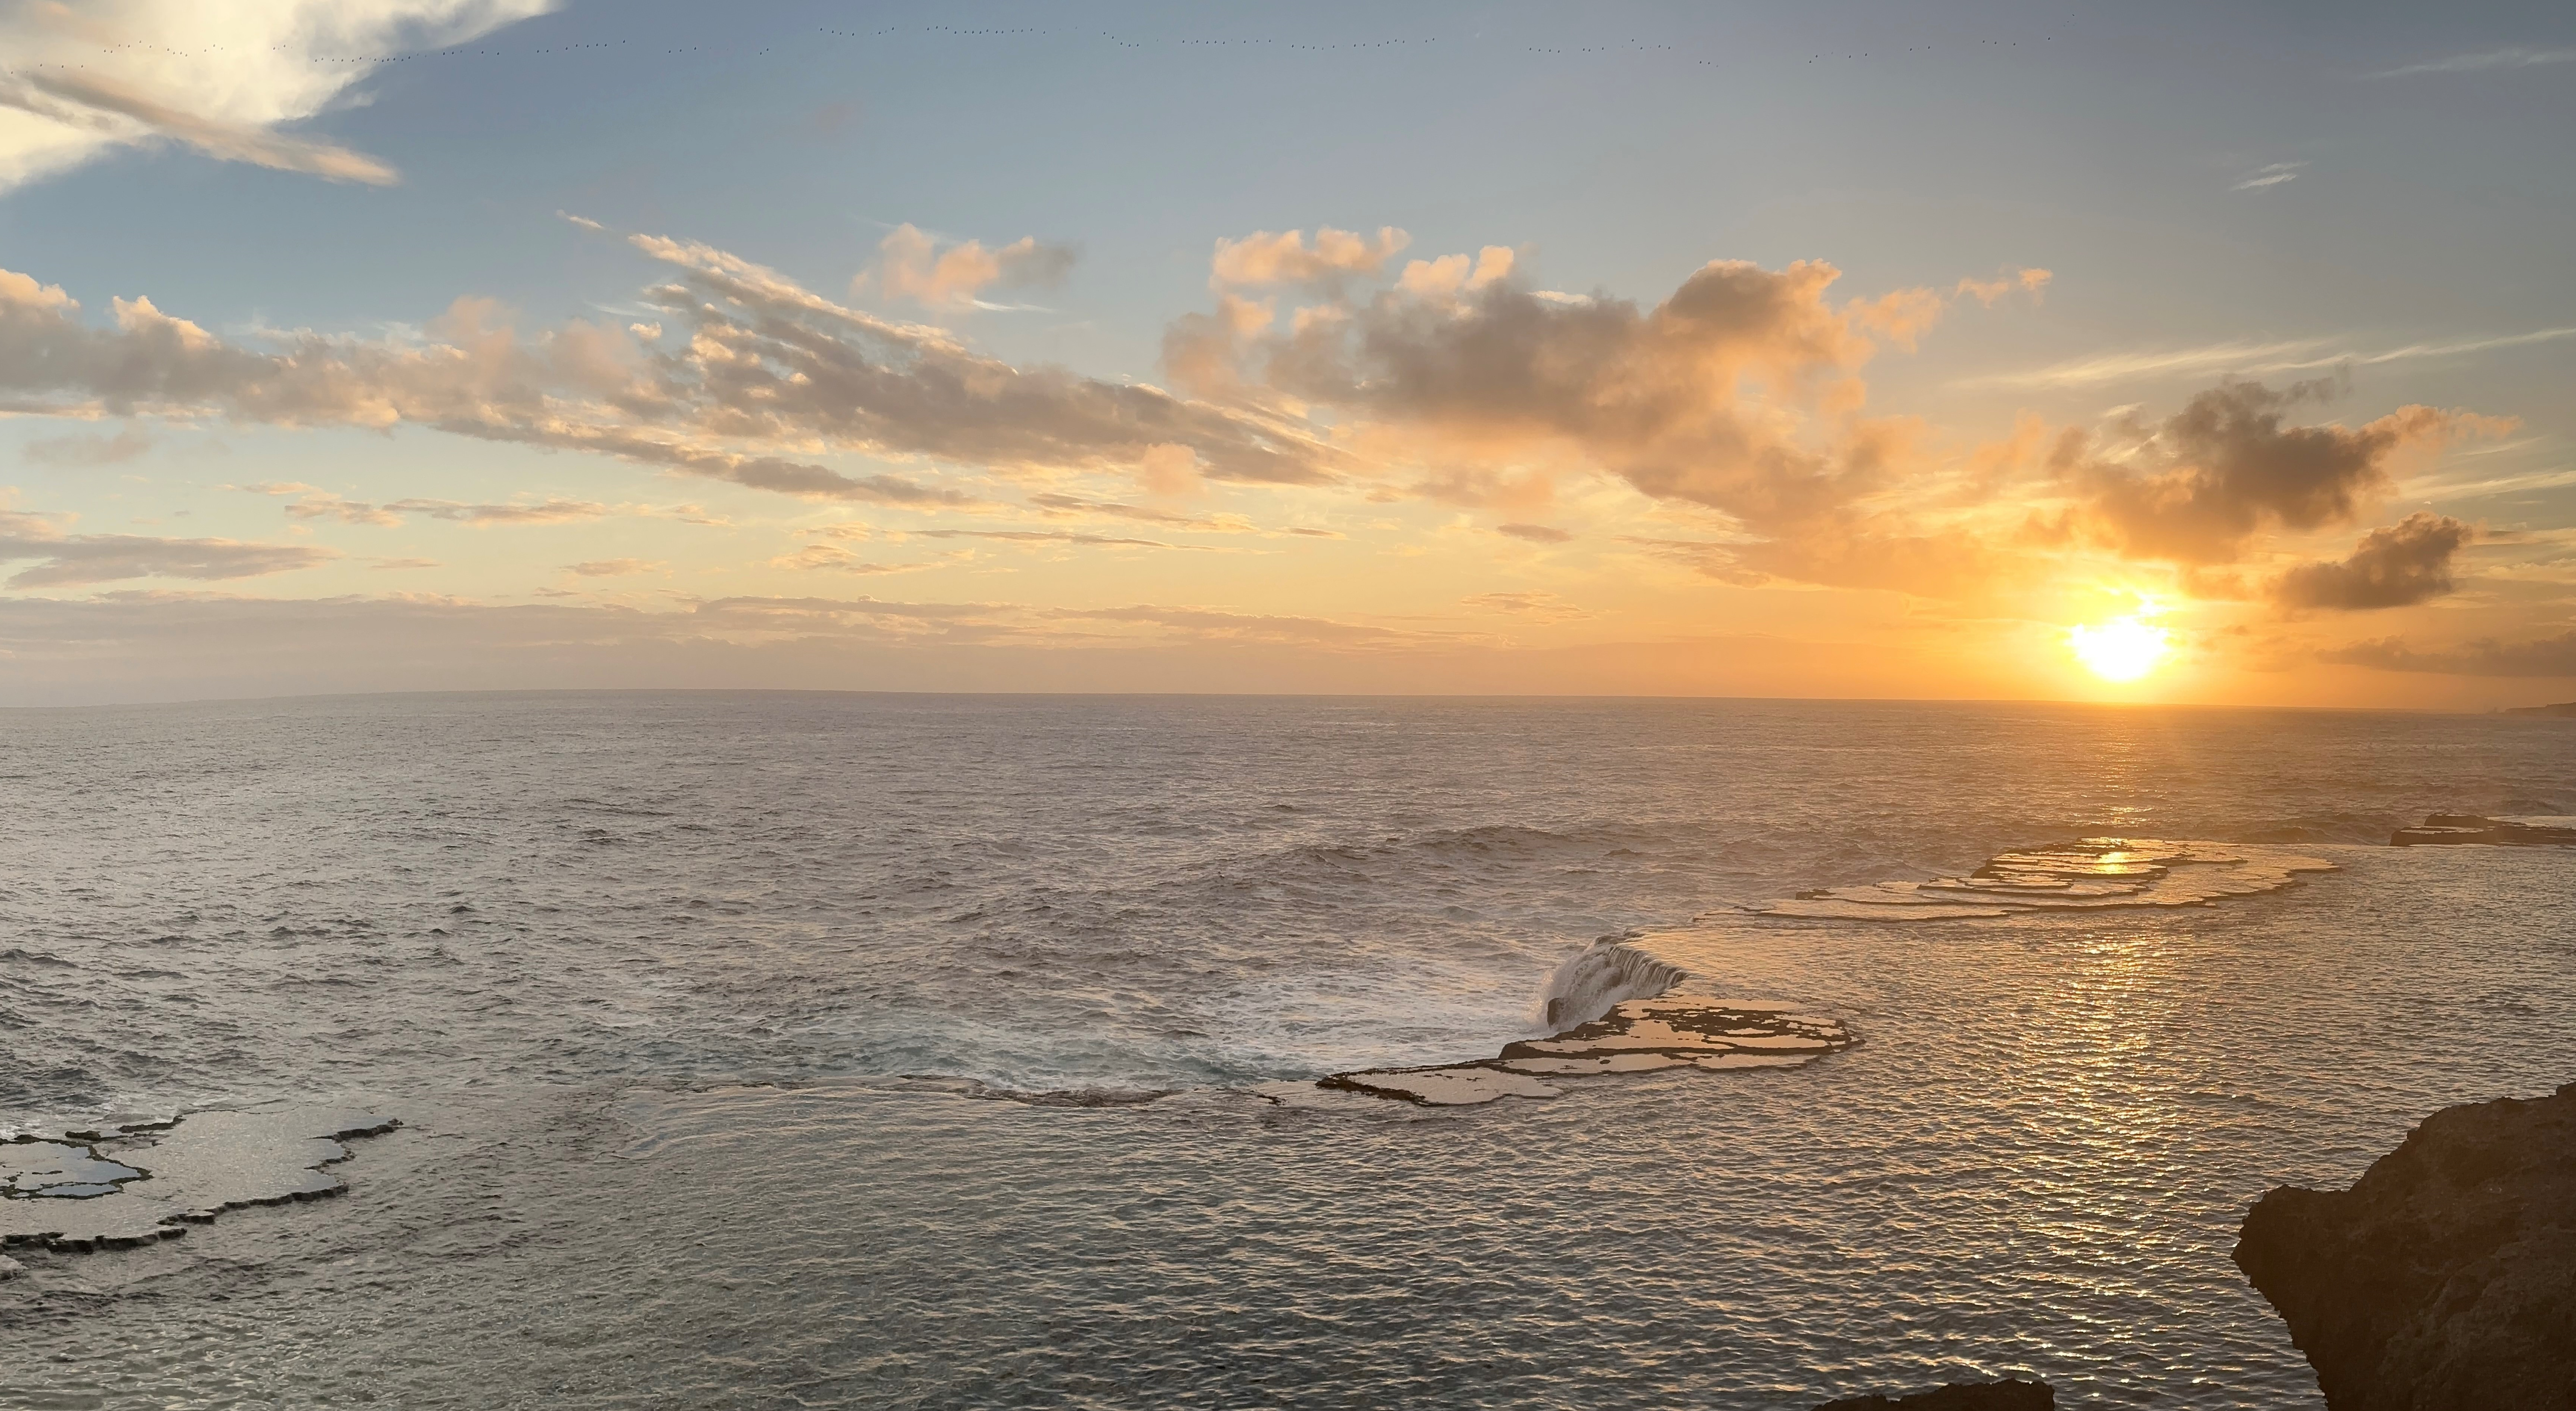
(2162, 362)
(2264, 177)
(2513, 56)
(2296, 355)
(75, 560)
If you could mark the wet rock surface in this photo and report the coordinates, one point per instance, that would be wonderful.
(135, 1185)
(2091, 874)
(2458, 828)
(1636, 1036)
(2446, 1276)
(2010, 1394)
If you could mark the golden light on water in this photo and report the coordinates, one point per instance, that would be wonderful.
(2122, 649)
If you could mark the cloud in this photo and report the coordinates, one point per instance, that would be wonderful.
(1285, 258)
(174, 644)
(77, 101)
(2408, 562)
(2033, 282)
(1452, 274)
(551, 511)
(910, 265)
(219, 79)
(72, 560)
(2540, 657)
(2514, 56)
(1739, 394)
(322, 504)
(2301, 355)
(2177, 362)
(838, 560)
(2198, 487)
(614, 568)
(2266, 177)
(1535, 533)
(1538, 607)
(763, 374)
(1056, 503)
(1656, 396)
(1049, 536)
(125, 445)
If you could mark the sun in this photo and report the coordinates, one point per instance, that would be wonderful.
(2122, 649)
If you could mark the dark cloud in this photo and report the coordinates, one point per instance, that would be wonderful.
(1535, 533)
(2198, 487)
(2544, 656)
(1738, 393)
(1656, 396)
(2404, 564)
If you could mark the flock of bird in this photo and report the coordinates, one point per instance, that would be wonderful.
(955, 32)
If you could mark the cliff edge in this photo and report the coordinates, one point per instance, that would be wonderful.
(2446, 1277)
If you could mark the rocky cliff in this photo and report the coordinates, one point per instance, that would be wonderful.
(2445, 1279)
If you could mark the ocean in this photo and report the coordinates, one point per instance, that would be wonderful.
(810, 1049)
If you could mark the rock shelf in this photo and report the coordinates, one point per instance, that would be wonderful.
(135, 1185)
(2457, 828)
(2087, 875)
(1636, 1036)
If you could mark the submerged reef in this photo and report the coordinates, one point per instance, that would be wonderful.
(2010, 1394)
(1636, 1036)
(137, 1184)
(2087, 875)
(2445, 1278)
(2500, 832)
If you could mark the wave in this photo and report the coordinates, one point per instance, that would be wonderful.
(1594, 980)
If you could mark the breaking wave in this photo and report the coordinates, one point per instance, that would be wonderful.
(1593, 980)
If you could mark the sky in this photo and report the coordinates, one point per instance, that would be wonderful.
(2213, 354)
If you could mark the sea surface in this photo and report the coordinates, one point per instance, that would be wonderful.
(787, 1049)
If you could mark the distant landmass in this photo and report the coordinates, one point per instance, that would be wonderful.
(2566, 710)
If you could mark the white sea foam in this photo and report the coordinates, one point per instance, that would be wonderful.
(1596, 978)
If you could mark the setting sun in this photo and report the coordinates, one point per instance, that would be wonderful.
(2123, 649)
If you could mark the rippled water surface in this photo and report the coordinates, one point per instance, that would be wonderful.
(560, 934)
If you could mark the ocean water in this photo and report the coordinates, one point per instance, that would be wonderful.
(706, 1014)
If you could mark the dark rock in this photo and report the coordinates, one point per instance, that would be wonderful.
(2446, 1277)
(2469, 828)
(2564, 710)
(2010, 1394)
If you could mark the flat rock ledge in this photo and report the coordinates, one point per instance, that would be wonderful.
(2010, 1394)
(133, 1185)
(2460, 828)
(1636, 1036)
(2445, 1279)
